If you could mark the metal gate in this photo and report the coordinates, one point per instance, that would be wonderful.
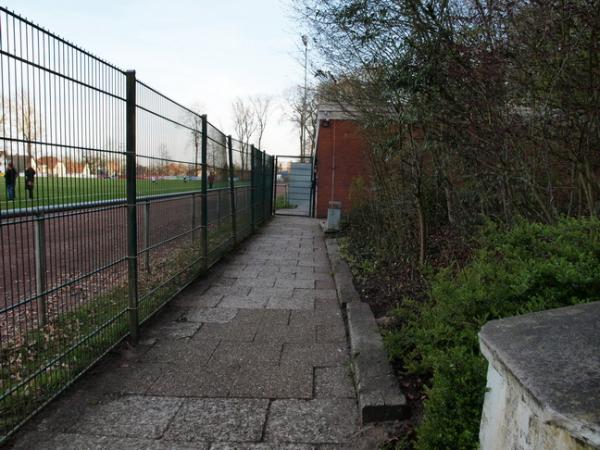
(294, 191)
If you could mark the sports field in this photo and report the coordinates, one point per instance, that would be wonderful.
(65, 190)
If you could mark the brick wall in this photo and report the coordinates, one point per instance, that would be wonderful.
(341, 156)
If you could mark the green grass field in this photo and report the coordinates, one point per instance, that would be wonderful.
(62, 191)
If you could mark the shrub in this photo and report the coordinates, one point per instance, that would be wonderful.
(528, 268)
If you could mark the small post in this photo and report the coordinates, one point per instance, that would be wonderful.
(147, 235)
(253, 186)
(40, 267)
(130, 170)
(219, 208)
(273, 186)
(193, 218)
(232, 189)
(204, 222)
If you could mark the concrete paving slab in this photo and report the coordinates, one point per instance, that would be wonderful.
(325, 284)
(286, 333)
(193, 381)
(267, 381)
(237, 354)
(314, 421)
(134, 378)
(331, 318)
(321, 354)
(264, 292)
(129, 416)
(334, 382)
(233, 273)
(228, 332)
(197, 301)
(173, 330)
(315, 294)
(245, 302)
(290, 303)
(67, 441)
(231, 290)
(331, 333)
(265, 317)
(292, 268)
(61, 414)
(293, 283)
(221, 420)
(266, 282)
(196, 351)
(224, 281)
(211, 315)
(261, 446)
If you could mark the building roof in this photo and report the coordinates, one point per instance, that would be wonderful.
(75, 167)
(333, 111)
(49, 161)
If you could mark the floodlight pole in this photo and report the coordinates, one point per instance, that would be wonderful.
(304, 99)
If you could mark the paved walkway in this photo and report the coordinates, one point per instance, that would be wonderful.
(255, 356)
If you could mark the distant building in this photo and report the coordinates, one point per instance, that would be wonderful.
(51, 165)
(341, 157)
(78, 169)
(112, 169)
(175, 169)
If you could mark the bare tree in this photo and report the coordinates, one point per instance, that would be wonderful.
(193, 120)
(304, 115)
(260, 107)
(26, 121)
(244, 124)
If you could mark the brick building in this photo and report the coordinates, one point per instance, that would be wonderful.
(341, 156)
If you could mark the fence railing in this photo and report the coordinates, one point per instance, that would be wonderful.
(118, 197)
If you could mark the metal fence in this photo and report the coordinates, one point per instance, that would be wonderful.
(122, 198)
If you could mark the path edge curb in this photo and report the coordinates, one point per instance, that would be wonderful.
(378, 390)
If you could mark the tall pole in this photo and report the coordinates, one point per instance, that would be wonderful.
(303, 116)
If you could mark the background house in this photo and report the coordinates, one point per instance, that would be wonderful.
(77, 169)
(341, 157)
(51, 165)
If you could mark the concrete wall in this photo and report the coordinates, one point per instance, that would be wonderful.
(512, 419)
(543, 380)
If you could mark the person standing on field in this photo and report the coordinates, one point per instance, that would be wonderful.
(211, 179)
(11, 180)
(29, 177)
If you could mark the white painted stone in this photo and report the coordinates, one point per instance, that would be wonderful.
(512, 419)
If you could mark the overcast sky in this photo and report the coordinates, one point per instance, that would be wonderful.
(197, 52)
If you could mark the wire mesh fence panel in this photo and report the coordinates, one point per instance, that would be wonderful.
(113, 198)
(242, 181)
(220, 230)
(168, 175)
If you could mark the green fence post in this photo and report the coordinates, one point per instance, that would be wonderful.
(130, 170)
(273, 175)
(253, 185)
(147, 235)
(204, 222)
(40, 267)
(232, 189)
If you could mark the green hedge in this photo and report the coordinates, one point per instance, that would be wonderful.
(528, 268)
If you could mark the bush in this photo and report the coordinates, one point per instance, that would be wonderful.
(528, 268)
